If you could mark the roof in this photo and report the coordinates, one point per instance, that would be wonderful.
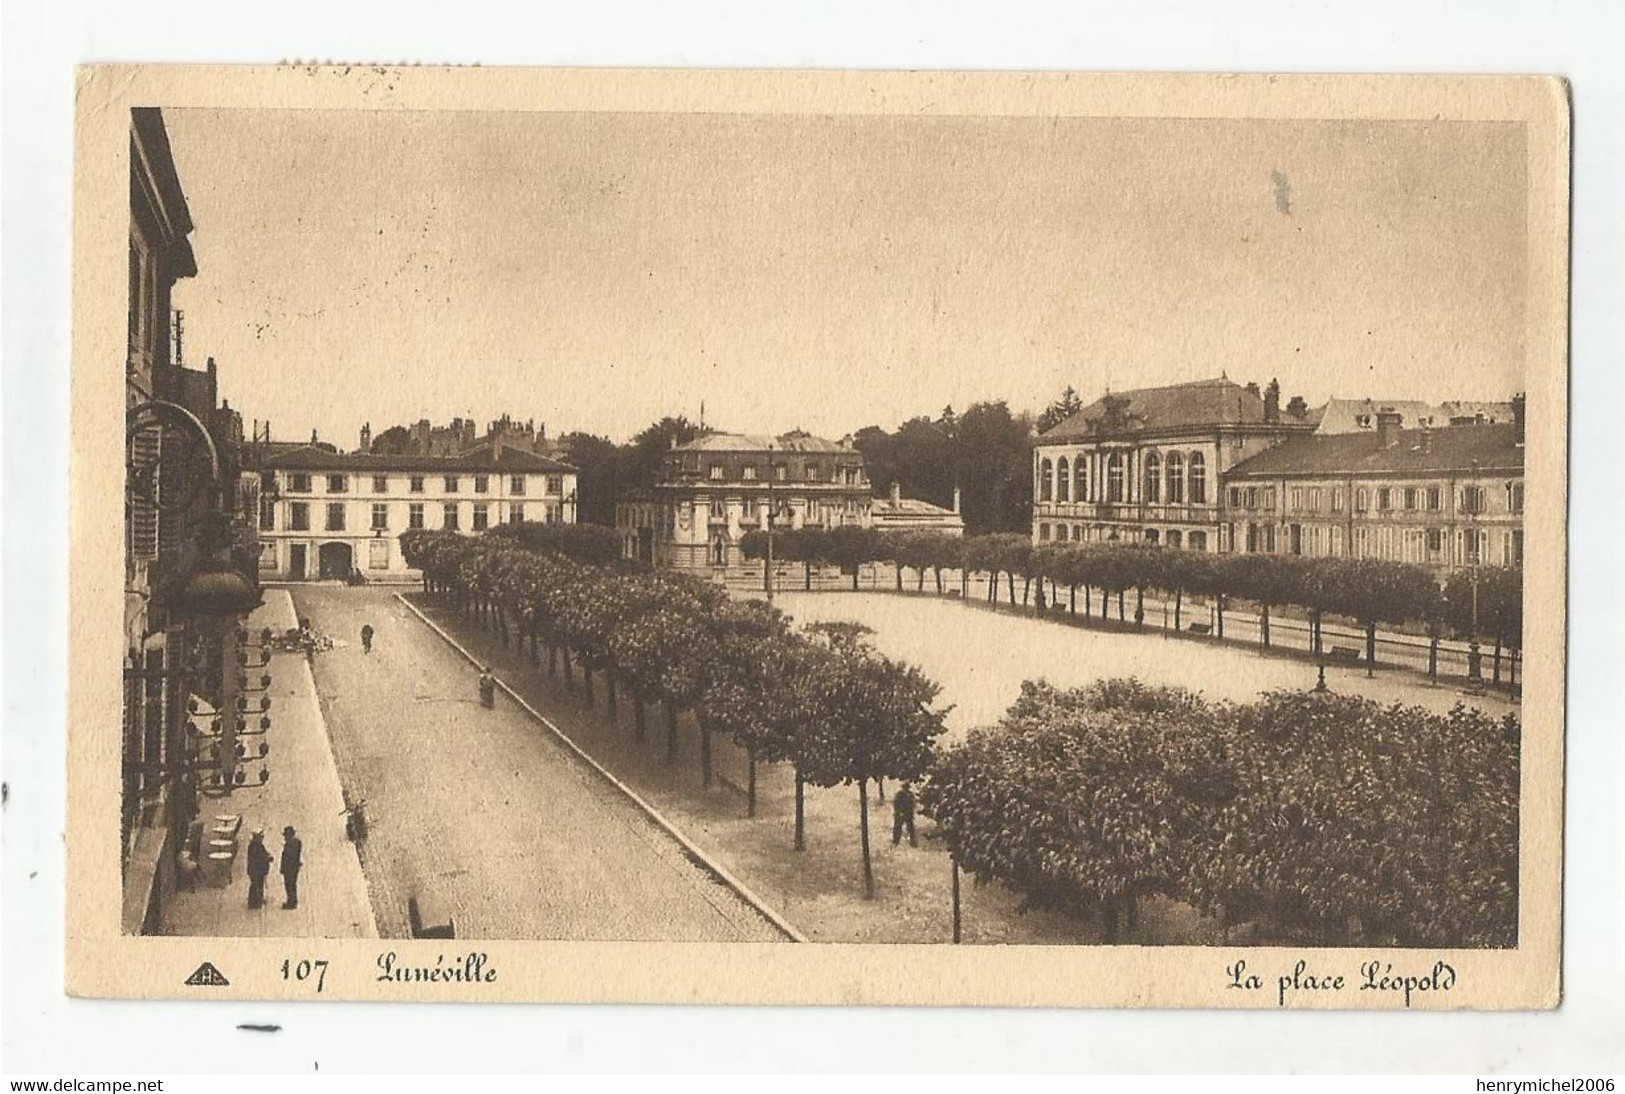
(1345, 415)
(1452, 449)
(505, 459)
(1176, 406)
(913, 507)
(795, 441)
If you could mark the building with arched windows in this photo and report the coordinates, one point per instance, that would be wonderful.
(1145, 465)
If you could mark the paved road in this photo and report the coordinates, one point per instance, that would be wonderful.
(481, 812)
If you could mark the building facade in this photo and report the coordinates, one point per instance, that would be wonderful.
(1147, 465)
(719, 487)
(1445, 498)
(895, 513)
(327, 515)
(189, 569)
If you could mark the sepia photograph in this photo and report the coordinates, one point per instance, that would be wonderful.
(982, 519)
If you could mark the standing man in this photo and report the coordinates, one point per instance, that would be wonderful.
(488, 689)
(292, 859)
(366, 638)
(259, 867)
(902, 816)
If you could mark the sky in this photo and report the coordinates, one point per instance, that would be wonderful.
(596, 271)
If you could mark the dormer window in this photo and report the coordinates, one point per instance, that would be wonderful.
(716, 472)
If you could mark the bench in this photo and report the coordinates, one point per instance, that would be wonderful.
(1200, 628)
(1343, 653)
(435, 928)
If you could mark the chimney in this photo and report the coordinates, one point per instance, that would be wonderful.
(1427, 439)
(1252, 387)
(896, 494)
(1272, 403)
(366, 437)
(468, 432)
(1388, 423)
(956, 499)
(1517, 418)
(1298, 407)
(312, 436)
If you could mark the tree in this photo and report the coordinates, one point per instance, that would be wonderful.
(1060, 410)
(599, 463)
(866, 718)
(993, 461)
(643, 458)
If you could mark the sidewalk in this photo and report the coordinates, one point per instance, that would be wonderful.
(304, 792)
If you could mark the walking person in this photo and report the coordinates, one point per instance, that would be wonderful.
(902, 816)
(488, 689)
(259, 867)
(366, 638)
(292, 859)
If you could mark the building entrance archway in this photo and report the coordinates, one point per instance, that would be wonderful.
(335, 560)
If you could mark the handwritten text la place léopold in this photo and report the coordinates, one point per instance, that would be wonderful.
(1378, 976)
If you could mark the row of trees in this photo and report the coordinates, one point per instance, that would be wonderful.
(1371, 591)
(822, 701)
(1324, 818)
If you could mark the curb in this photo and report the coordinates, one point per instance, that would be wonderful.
(693, 851)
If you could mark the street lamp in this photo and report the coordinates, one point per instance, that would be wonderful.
(1474, 504)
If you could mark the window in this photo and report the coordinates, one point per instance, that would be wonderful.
(1235, 497)
(1297, 497)
(782, 473)
(1360, 500)
(1517, 547)
(1046, 485)
(299, 516)
(1435, 498)
(380, 516)
(452, 484)
(1080, 471)
(1514, 497)
(482, 515)
(1435, 542)
(750, 509)
(1252, 497)
(516, 512)
(813, 474)
(718, 511)
(1061, 532)
(482, 484)
(1153, 478)
(299, 483)
(1176, 479)
(378, 554)
(415, 484)
(1337, 499)
(749, 472)
(1196, 541)
(1252, 538)
(1043, 530)
(1385, 499)
(335, 516)
(516, 485)
(1198, 466)
(380, 484)
(449, 516)
(555, 485)
(1152, 535)
(1077, 532)
(1174, 538)
(1114, 477)
(719, 551)
(715, 472)
(337, 484)
(1472, 499)
(1314, 499)
(1473, 540)
(1269, 497)
(414, 515)
(1269, 538)
(267, 514)
(1410, 497)
(1063, 480)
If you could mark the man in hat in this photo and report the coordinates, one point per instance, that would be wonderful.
(292, 859)
(488, 689)
(259, 867)
(366, 638)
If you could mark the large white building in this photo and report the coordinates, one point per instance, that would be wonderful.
(328, 514)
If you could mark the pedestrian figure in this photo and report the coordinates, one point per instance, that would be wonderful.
(488, 689)
(292, 859)
(366, 638)
(902, 816)
(259, 866)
